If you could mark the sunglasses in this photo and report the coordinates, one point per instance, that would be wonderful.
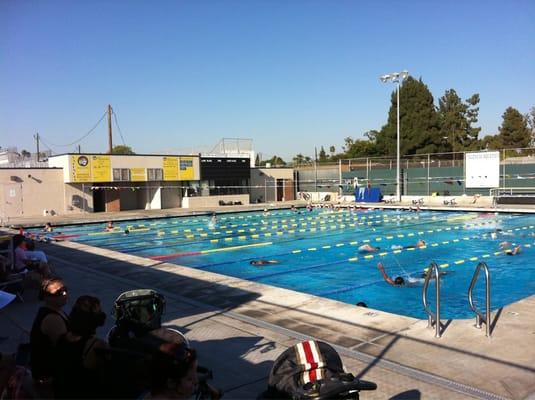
(62, 291)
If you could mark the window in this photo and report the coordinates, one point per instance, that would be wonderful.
(154, 174)
(121, 174)
(185, 164)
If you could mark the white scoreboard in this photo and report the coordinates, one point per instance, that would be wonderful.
(482, 169)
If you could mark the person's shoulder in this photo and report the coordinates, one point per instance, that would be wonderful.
(54, 318)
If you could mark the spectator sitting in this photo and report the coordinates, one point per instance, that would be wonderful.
(26, 259)
(49, 325)
(77, 363)
(174, 367)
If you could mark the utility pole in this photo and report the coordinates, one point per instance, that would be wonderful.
(110, 150)
(79, 149)
(316, 169)
(36, 137)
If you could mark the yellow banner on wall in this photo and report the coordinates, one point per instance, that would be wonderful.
(170, 168)
(101, 168)
(138, 174)
(186, 171)
(80, 168)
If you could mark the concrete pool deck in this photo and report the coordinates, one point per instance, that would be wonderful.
(240, 327)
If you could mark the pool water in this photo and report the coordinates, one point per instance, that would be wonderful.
(318, 252)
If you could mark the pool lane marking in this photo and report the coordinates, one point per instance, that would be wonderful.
(381, 218)
(220, 249)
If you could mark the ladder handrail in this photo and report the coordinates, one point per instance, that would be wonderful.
(431, 316)
(479, 316)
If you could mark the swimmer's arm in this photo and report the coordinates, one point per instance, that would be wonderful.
(385, 276)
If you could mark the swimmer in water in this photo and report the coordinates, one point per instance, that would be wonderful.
(367, 248)
(213, 221)
(398, 281)
(419, 244)
(505, 245)
(263, 262)
(110, 226)
(514, 251)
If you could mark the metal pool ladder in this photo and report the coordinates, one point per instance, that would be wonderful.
(433, 318)
(479, 316)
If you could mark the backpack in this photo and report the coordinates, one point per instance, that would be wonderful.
(312, 370)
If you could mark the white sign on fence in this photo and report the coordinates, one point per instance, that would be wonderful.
(482, 169)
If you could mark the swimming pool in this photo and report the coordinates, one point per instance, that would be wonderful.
(317, 252)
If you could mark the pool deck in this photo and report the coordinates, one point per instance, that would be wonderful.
(240, 327)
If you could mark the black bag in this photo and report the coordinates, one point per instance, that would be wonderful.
(312, 370)
(137, 312)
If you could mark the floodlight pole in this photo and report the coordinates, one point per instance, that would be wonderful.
(398, 188)
(397, 77)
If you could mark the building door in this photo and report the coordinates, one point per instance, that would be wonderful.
(280, 189)
(99, 203)
(13, 201)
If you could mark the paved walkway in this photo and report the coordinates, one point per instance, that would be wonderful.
(240, 327)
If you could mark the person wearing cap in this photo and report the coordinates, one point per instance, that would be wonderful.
(173, 367)
(49, 325)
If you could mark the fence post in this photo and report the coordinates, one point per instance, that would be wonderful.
(428, 166)
(503, 168)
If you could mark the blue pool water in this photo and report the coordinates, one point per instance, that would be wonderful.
(318, 253)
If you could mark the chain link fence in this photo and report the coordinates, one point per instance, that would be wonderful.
(420, 175)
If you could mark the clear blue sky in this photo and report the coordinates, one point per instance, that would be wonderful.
(291, 75)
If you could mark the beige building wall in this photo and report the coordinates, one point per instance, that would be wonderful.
(78, 198)
(31, 192)
(213, 201)
(264, 183)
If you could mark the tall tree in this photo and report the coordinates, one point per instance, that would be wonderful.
(298, 159)
(514, 131)
(455, 120)
(257, 160)
(122, 149)
(322, 155)
(419, 131)
(275, 161)
(25, 154)
(530, 118)
(332, 150)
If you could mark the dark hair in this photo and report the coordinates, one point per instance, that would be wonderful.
(17, 240)
(86, 316)
(361, 304)
(172, 360)
(399, 281)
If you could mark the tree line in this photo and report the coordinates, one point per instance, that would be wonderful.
(426, 128)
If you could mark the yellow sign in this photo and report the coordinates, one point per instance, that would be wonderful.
(170, 168)
(81, 168)
(138, 174)
(101, 168)
(186, 172)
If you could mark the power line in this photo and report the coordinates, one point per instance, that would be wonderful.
(118, 128)
(83, 137)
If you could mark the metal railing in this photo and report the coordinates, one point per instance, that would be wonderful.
(480, 318)
(433, 318)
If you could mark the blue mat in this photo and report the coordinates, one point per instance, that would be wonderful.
(368, 195)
